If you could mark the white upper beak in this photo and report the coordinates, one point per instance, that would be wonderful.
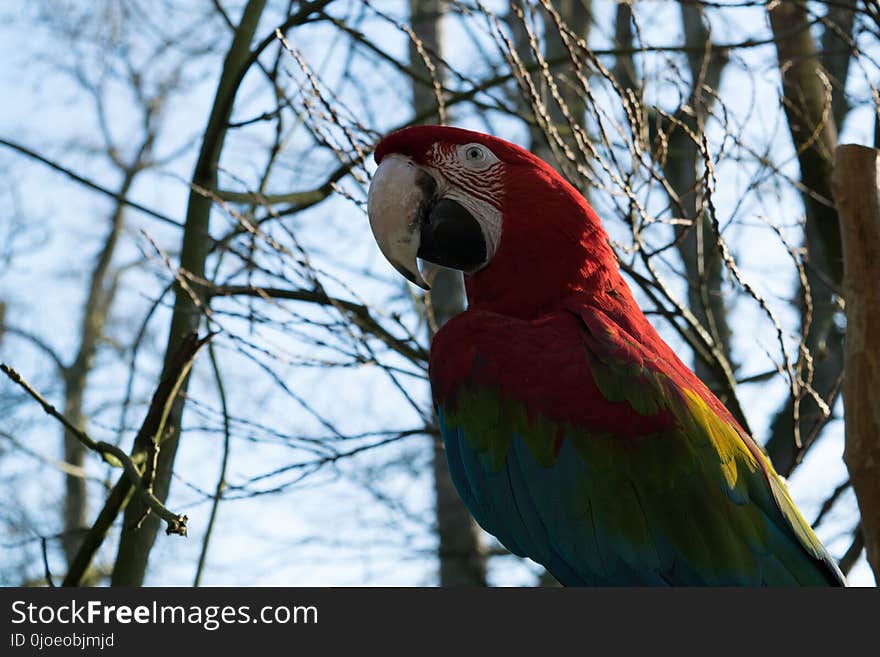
(394, 205)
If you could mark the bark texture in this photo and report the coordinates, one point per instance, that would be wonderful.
(857, 194)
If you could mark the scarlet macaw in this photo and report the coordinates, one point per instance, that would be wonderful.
(573, 432)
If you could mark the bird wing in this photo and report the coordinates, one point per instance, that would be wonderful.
(608, 461)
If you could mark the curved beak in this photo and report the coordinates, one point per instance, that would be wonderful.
(411, 218)
(400, 197)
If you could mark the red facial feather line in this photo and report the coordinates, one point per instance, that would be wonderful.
(486, 185)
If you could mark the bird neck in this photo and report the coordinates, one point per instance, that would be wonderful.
(550, 255)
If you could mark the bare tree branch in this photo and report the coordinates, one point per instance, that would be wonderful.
(176, 523)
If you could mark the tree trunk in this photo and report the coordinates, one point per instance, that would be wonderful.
(699, 254)
(576, 15)
(856, 184)
(95, 311)
(807, 103)
(461, 556)
(837, 52)
(139, 534)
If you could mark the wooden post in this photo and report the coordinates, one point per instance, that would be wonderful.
(856, 188)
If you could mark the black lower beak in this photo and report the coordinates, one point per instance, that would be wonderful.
(452, 237)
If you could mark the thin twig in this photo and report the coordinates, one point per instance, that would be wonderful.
(89, 183)
(221, 480)
(176, 523)
(45, 549)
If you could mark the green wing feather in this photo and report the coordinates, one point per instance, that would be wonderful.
(695, 502)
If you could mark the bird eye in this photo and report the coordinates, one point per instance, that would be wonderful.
(474, 154)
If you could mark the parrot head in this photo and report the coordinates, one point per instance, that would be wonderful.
(484, 206)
